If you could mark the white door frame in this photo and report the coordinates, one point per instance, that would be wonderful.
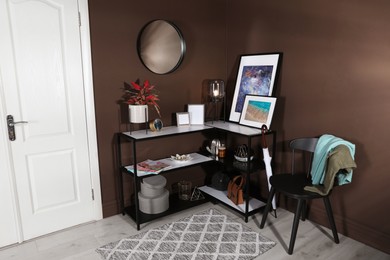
(90, 107)
(90, 120)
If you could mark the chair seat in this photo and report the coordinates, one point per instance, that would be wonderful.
(293, 185)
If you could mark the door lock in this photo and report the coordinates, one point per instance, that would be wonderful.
(11, 127)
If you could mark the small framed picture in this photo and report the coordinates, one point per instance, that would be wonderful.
(182, 118)
(196, 112)
(257, 111)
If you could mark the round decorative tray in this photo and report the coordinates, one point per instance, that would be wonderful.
(181, 158)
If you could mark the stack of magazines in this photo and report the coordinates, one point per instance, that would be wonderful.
(149, 167)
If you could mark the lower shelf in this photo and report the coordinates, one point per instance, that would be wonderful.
(175, 205)
(254, 204)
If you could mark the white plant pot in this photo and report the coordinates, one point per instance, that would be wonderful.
(138, 113)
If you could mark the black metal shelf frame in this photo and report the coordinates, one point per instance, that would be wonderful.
(134, 212)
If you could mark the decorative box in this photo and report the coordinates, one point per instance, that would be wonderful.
(153, 186)
(154, 205)
(153, 197)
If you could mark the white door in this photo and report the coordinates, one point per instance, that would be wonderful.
(8, 215)
(41, 78)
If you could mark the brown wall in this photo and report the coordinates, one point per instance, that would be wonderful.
(333, 80)
(114, 29)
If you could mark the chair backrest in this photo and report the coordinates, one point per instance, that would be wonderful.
(303, 144)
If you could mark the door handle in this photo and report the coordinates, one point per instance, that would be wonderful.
(11, 127)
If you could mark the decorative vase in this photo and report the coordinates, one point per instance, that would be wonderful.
(138, 113)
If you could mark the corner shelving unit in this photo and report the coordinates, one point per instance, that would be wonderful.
(175, 205)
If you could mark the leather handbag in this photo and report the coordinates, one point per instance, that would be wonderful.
(235, 190)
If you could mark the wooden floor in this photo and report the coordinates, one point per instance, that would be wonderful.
(313, 241)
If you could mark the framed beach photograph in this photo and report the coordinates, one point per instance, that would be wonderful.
(182, 118)
(257, 111)
(256, 76)
(196, 112)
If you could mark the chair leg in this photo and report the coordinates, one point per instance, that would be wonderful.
(304, 210)
(267, 207)
(329, 212)
(294, 231)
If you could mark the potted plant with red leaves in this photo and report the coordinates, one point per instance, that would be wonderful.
(139, 97)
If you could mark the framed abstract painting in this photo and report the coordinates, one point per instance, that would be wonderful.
(256, 76)
(257, 111)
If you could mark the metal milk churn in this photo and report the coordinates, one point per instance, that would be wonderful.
(214, 146)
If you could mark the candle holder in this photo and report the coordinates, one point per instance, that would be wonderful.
(217, 94)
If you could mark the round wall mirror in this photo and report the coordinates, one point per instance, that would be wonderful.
(161, 46)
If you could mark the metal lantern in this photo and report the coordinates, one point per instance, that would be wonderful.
(217, 94)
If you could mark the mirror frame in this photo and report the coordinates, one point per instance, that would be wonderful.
(141, 54)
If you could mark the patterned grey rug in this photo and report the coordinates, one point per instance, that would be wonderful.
(206, 235)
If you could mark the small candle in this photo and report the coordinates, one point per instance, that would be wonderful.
(221, 151)
(215, 89)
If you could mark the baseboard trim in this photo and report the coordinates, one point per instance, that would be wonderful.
(366, 235)
(110, 208)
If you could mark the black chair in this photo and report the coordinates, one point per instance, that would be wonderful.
(292, 185)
